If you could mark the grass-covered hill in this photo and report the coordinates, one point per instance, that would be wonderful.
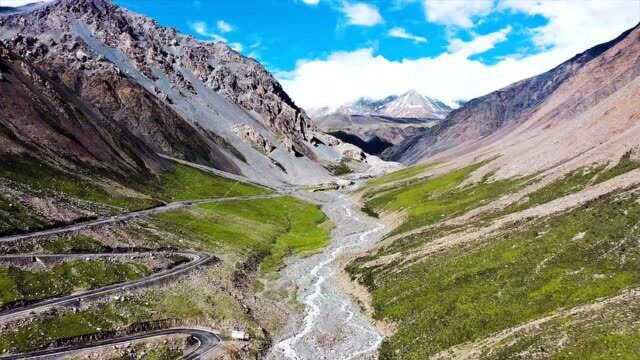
(249, 239)
(470, 261)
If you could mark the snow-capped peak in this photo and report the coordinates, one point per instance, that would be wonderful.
(415, 105)
(411, 104)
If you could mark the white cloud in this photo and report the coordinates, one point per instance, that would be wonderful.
(346, 76)
(236, 46)
(478, 44)
(573, 26)
(401, 33)
(361, 14)
(451, 76)
(311, 2)
(201, 28)
(224, 27)
(577, 24)
(456, 12)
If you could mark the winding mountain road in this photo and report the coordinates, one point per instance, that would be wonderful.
(195, 260)
(207, 339)
(130, 216)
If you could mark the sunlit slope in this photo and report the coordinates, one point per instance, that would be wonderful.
(505, 273)
(35, 196)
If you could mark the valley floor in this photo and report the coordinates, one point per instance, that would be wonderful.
(333, 325)
(529, 267)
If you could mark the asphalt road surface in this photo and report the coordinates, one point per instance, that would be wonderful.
(207, 340)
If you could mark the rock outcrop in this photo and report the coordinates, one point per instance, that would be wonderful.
(179, 96)
(503, 109)
(375, 125)
(44, 120)
(253, 137)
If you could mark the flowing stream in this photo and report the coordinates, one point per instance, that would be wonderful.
(333, 326)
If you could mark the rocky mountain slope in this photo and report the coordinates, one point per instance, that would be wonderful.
(375, 125)
(529, 199)
(590, 117)
(200, 102)
(43, 120)
(411, 104)
(495, 115)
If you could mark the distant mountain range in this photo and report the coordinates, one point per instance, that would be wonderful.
(377, 124)
(566, 91)
(411, 104)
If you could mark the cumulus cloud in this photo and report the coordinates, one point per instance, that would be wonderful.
(573, 26)
(346, 76)
(201, 28)
(401, 33)
(361, 14)
(236, 46)
(577, 24)
(456, 12)
(478, 44)
(451, 76)
(224, 27)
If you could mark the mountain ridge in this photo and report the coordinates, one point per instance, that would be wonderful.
(229, 111)
(376, 125)
(481, 117)
(410, 104)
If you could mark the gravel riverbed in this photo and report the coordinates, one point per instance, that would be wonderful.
(332, 326)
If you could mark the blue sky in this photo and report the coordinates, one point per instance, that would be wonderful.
(280, 32)
(327, 52)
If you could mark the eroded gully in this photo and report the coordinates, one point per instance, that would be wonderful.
(332, 326)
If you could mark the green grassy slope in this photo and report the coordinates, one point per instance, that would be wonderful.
(50, 181)
(610, 331)
(38, 180)
(466, 294)
(42, 331)
(576, 181)
(74, 244)
(397, 176)
(430, 200)
(17, 285)
(266, 229)
(186, 183)
(14, 217)
(269, 228)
